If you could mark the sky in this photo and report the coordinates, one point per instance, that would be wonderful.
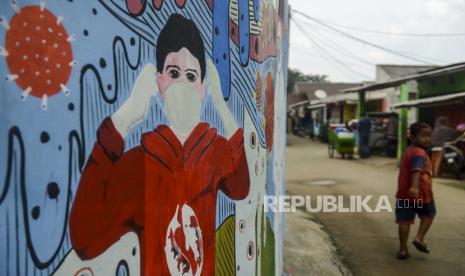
(318, 50)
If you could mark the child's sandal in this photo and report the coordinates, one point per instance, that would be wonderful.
(420, 246)
(403, 256)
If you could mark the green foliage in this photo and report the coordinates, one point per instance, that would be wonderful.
(294, 76)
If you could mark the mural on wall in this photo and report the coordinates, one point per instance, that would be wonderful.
(140, 137)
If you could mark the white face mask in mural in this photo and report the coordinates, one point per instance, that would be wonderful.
(182, 107)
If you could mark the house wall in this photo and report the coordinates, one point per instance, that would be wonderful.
(334, 114)
(135, 141)
(455, 112)
(443, 85)
(350, 112)
(374, 106)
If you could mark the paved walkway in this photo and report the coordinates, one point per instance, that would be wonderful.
(368, 241)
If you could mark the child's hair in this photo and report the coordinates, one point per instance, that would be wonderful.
(180, 32)
(415, 128)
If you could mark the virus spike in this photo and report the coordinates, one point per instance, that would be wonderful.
(3, 52)
(4, 23)
(44, 102)
(64, 89)
(72, 63)
(11, 77)
(60, 18)
(26, 93)
(42, 5)
(71, 38)
(14, 5)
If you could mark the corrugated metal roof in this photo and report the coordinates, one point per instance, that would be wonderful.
(395, 71)
(309, 88)
(316, 106)
(439, 71)
(347, 97)
(299, 104)
(337, 98)
(456, 97)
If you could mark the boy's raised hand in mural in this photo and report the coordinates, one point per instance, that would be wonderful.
(214, 88)
(134, 110)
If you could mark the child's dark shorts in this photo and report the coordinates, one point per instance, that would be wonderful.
(406, 210)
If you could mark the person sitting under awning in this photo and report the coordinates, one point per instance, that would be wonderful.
(443, 133)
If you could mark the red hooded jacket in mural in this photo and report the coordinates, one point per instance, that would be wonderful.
(144, 189)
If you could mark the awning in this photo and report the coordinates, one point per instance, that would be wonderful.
(439, 71)
(431, 101)
(348, 98)
(316, 106)
(336, 99)
(299, 104)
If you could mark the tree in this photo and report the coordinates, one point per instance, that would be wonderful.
(294, 76)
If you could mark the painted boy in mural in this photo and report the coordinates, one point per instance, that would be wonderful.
(164, 190)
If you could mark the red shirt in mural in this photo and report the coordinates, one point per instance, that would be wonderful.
(415, 159)
(162, 190)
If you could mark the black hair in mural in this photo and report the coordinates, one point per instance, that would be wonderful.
(180, 32)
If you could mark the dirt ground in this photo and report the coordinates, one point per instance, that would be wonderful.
(364, 243)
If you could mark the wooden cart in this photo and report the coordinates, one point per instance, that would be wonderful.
(341, 141)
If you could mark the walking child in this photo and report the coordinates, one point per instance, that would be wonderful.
(414, 192)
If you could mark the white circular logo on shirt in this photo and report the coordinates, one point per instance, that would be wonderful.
(184, 226)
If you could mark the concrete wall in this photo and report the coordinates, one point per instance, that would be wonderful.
(140, 137)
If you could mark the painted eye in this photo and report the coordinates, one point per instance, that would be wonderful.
(253, 140)
(174, 74)
(190, 77)
(250, 250)
(241, 226)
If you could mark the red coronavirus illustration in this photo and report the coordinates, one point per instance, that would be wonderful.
(137, 7)
(38, 52)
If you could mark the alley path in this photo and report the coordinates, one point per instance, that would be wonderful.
(368, 241)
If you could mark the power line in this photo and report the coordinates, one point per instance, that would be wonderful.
(331, 44)
(306, 52)
(323, 55)
(324, 28)
(313, 54)
(363, 41)
(393, 33)
(330, 58)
